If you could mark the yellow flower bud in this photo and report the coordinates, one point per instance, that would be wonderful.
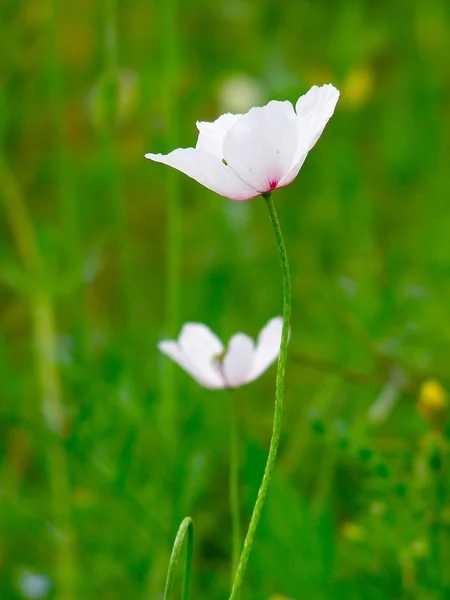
(432, 402)
(357, 87)
(353, 532)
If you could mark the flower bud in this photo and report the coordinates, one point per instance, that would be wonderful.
(432, 402)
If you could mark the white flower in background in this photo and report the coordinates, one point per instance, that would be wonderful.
(200, 352)
(34, 585)
(239, 93)
(243, 156)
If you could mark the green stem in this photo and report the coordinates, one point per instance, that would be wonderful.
(437, 531)
(45, 340)
(186, 526)
(63, 169)
(170, 79)
(234, 488)
(19, 221)
(170, 76)
(168, 16)
(271, 459)
(112, 172)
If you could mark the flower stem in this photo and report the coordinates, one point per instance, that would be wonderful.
(271, 459)
(234, 488)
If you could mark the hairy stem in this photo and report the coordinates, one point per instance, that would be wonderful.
(271, 459)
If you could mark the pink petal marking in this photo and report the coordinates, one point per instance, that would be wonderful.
(273, 184)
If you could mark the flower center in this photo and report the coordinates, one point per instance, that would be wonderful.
(219, 357)
(218, 361)
(273, 184)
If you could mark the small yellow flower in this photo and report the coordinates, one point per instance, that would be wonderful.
(357, 87)
(432, 402)
(353, 532)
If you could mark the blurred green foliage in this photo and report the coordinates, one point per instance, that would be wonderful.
(105, 447)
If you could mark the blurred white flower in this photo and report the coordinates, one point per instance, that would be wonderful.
(200, 352)
(34, 585)
(239, 93)
(243, 156)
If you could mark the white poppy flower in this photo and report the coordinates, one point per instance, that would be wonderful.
(243, 156)
(200, 352)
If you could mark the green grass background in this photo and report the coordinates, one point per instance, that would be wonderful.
(104, 445)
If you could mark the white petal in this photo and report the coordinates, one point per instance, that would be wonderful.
(203, 348)
(298, 164)
(238, 360)
(314, 110)
(260, 147)
(267, 347)
(208, 170)
(318, 103)
(211, 135)
(200, 339)
(171, 349)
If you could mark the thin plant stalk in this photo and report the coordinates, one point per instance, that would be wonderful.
(167, 414)
(173, 225)
(110, 99)
(234, 487)
(19, 220)
(45, 340)
(272, 456)
(57, 463)
(64, 178)
(186, 527)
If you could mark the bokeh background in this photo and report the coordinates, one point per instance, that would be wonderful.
(105, 446)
